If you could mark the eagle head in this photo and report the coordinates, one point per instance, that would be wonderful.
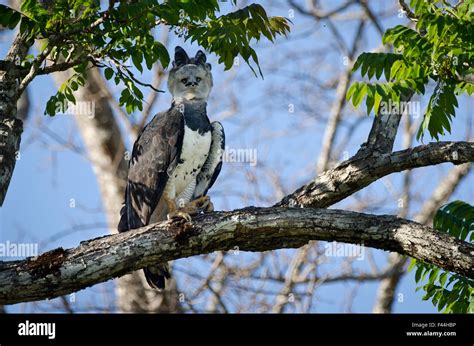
(190, 78)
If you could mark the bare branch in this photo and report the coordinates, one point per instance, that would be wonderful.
(35, 67)
(61, 66)
(407, 11)
(317, 13)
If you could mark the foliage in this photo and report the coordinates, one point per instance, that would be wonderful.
(83, 31)
(438, 50)
(456, 219)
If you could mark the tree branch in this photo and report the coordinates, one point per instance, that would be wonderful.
(407, 11)
(60, 272)
(61, 66)
(364, 168)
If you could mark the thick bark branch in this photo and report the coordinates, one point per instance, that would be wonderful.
(360, 171)
(60, 272)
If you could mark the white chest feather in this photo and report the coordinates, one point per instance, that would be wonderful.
(194, 152)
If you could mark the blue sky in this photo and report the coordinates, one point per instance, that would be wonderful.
(50, 178)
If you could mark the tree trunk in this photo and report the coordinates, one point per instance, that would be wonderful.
(10, 127)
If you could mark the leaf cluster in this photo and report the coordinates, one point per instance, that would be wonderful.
(450, 293)
(120, 36)
(438, 50)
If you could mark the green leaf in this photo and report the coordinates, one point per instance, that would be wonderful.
(108, 72)
(69, 95)
(440, 110)
(377, 100)
(369, 102)
(418, 273)
(412, 265)
(442, 278)
(51, 106)
(351, 90)
(160, 50)
(455, 218)
(9, 17)
(359, 94)
(137, 59)
(395, 69)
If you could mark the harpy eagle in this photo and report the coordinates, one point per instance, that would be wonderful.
(176, 158)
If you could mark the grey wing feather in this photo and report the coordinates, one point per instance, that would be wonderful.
(212, 167)
(155, 155)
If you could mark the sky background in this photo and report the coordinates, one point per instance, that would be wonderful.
(53, 199)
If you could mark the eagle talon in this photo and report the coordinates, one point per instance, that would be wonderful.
(176, 215)
(203, 204)
(209, 207)
(201, 201)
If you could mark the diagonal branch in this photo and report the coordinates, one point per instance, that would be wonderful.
(364, 168)
(407, 11)
(60, 272)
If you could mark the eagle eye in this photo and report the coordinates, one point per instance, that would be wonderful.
(184, 80)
